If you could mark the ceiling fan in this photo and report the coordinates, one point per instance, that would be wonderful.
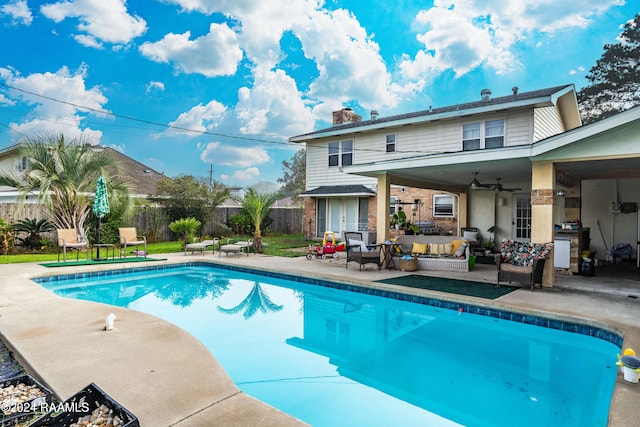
(497, 187)
(475, 184)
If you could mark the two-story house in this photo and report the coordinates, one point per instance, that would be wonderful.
(339, 201)
(519, 164)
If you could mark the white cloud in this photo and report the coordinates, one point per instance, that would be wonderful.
(153, 86)
(227, 155)
(467, 34)
(215, 54)
(50, 116)
(6, 101)
(88, 41)
(341, 47)
(242, 176)
(105, 20)
(19, 12)
(273, 106)
(201, 118)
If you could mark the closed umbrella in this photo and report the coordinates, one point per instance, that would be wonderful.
(100, 204)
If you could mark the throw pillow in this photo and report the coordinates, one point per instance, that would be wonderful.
(419, 248)
(460, 251)
(470, 235)
(447, 249)
(455, 244)
(356, 243)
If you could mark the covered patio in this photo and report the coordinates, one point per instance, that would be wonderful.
(579, 176)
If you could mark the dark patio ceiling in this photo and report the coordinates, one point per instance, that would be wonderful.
(513, 173)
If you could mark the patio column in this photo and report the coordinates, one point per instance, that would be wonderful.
(543, 179)
(383, 207)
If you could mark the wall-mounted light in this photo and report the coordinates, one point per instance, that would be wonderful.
(502, 201)
(561, 193)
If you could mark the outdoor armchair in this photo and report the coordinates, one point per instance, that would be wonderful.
(129, 237)
(68, 238)
(358, 251)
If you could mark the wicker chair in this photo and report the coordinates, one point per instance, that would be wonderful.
(529, 275)
(354, 243)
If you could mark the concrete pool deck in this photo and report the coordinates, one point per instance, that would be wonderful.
(166, 377)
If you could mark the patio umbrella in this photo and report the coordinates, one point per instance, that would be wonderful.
(100, 204)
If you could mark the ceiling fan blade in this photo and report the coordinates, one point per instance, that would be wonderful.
(475, 184)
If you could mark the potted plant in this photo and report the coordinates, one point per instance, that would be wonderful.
(489, 246)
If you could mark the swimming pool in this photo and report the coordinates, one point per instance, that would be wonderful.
(334, 354)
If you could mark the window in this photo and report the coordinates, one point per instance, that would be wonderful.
(471, 136)
(494, 134)
(21, 164)
(475, 136)
(341, 153)
(442, 205)
(391, 143)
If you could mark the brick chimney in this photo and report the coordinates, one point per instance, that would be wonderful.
(346, 115)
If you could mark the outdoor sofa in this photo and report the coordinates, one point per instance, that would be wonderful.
(435, 252)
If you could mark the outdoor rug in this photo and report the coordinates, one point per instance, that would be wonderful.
(103, 262)
(452, 286)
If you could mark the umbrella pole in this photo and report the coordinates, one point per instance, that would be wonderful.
(98, 253)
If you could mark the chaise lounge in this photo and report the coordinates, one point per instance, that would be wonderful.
(201, 246)
(236, 248)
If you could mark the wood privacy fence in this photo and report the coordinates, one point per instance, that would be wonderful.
(152, 223)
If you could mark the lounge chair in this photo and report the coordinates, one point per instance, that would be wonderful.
(129, 237)
(360, 252)
(68, 238)
(236, 248)
(201, 246)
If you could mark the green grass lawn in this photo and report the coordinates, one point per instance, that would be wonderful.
(289, 245)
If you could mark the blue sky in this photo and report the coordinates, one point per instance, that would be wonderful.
(184, 86)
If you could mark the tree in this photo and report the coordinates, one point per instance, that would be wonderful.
(258, 207)
(63, 177)
(188, 196)
(615, 79)
(294, 178)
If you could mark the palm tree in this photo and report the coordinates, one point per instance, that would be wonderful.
(258, 207)
(256, 300)
(63, 177)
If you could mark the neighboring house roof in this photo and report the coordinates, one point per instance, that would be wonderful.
(549, 96)
(142, 178)
(339, 190)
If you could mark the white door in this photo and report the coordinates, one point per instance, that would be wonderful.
(521, 223)
(342, 215)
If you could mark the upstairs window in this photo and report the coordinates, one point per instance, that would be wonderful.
(341, 153)
(391, 143)
(442, 205)
(481, 135)
(21, 164)
(494, 134)
(471, 136)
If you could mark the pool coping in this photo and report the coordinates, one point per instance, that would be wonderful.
(625, 395)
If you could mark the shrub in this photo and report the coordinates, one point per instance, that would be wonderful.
(185, 229)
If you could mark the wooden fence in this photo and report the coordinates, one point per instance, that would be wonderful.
(151, 222)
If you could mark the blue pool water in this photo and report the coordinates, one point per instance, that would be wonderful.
(335, 357)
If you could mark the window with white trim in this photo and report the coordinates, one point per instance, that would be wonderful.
(21, 164)
(341, 153)
(391, 143)
(481, 135)
(442, 205)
